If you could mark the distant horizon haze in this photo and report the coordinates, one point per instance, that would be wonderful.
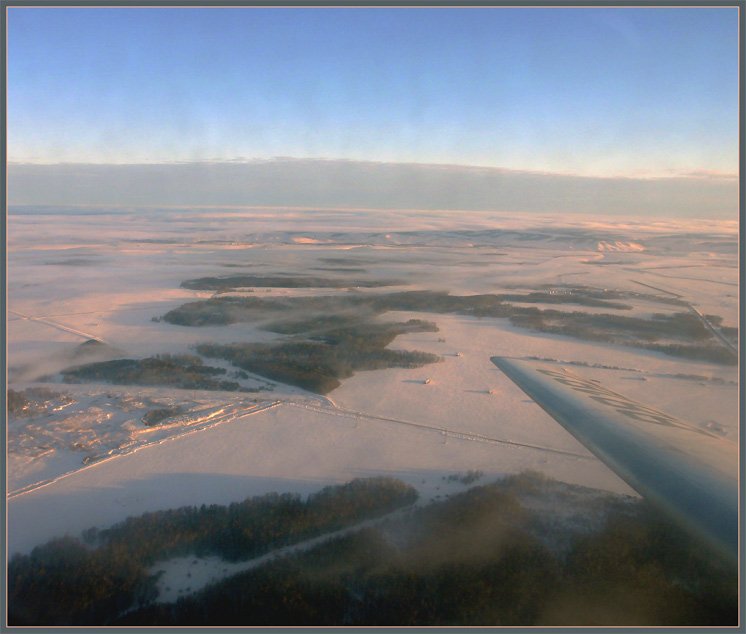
(353, 184)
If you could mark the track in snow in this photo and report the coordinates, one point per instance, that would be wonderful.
(348, 413)
(207, 422)
(47, 322)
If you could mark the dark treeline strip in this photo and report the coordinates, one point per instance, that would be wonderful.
(629, 331)
(261, 281)
(318, 366)
(227, 310)
(243, 530)
(474, 559)
(154, 371)
(66, 583)
(607, 327)
(711, 354)
(599, 299)
(730, 333)
(304, 365)
(33, 400)
(17, 402)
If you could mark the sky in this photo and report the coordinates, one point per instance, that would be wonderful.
(604, 92)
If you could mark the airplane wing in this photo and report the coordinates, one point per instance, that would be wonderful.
(689, 472)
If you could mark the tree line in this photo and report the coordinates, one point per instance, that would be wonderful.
(156, 371)
(608, 327)
(90, 581)
(334, 354)
(474, 560)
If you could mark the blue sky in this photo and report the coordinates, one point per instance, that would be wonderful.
(585, 91)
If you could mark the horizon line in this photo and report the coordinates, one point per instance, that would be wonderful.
(668, 174)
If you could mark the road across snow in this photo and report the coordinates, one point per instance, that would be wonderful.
(52, 324)
(339, 411)
(195, 422)
(283, 449)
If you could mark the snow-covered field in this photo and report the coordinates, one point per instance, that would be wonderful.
(106, 275)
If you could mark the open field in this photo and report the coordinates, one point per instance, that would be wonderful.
(109, 451)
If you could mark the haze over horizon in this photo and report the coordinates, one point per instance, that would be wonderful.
(554, 109)
(315, 183)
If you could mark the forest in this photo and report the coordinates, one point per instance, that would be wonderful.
(337, 336)
(228, 310)
(180, 371)
(69, 581)
(277, 281)
(33, 401)
(340, 347)
(679, 334)
(476, 559)
(481, 557)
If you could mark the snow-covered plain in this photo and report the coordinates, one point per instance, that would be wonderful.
(107, 273)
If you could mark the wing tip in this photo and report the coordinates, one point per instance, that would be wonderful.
(502, 362)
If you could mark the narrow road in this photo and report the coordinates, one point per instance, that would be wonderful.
(715, 332)
(107, 310)
(340, 411)
(693, 279)
(47, 322)
(655, 288)
(211, 419)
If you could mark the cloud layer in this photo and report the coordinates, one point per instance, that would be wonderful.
(368, 185)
